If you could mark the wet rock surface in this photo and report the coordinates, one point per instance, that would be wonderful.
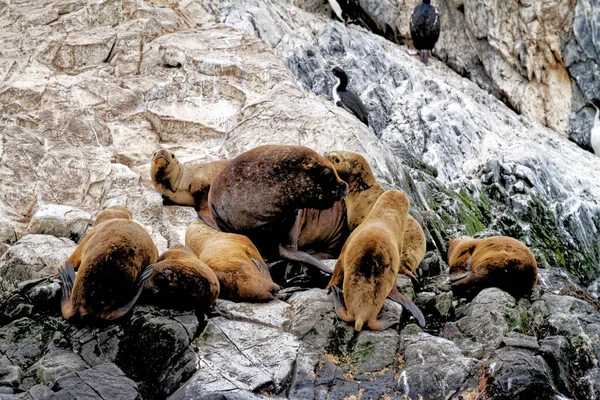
(90, 90)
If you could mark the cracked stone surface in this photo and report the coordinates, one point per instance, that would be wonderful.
(90, 89)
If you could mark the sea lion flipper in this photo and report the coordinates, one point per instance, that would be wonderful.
(296, 255)
(384, 321)
(141, 279)
(340, 307)
(408, 304)
(66, 273)
(263, 269)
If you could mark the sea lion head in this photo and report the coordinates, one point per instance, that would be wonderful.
(351, 167)
(163, 169)
(320, 184)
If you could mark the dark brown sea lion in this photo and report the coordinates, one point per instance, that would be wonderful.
(184, 184)
(261, 192)
(496, 261)
(363, 192)
(242, 273)
(181, 281)
(113, 261)
(369, 264)
(323, 232)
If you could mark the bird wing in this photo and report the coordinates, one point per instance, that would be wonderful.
(352, 103)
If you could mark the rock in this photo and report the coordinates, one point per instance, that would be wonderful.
(32, 257)
(60, 221)
(56, 364)
(519, 374)
(104, 381)
(558, 354)
(10, 375)
(433, 367)
(490, 316)
(588, 386)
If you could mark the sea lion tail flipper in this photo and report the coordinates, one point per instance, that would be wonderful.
(340, 307)
(262, 268)
(143, 275)
(296, 255)
(66, 273)
(384, 321)
(408, 304)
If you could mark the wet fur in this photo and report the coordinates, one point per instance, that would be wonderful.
(363, 192)
(497, 261)
(181, 281)
(184, 184)
(261, 192)
(234, 259)
(109, 259)
(370, 260)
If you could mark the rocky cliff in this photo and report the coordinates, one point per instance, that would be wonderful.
(91, 89)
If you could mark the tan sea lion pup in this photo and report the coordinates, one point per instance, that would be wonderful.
(369, 264)
(243, 274)
(496, 261)
(260, 194)
(363, 192)
(184, 184)
(181, 281)
(113, 261)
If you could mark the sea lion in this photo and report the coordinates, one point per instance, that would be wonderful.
(363, 192)
(184, 184)
(496, 261)
(369, 264)
(322, 233)
(112, 213)
(180, 280)
(114, 260)
(242, 273)
(260, 194)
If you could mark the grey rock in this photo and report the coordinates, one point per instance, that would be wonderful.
(588, 386)
(56, 364)
(241, 356)
(39, 392)
(520, 374)
(32, 257)
(275, 313)
(433, 366)
(104, 381)
(10, 375)
(490, 316)
(60, 221)
(558, 354)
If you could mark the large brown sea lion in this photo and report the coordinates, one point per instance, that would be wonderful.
(322, 233)
(261, 192)
(363, 192)
(242, 273)
(496, 261)
(113, 261)
(181, 281)
(184, 184)
(369, 264)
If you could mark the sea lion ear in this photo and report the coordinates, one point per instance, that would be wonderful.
(307, 165)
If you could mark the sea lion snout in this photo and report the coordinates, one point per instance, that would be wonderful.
(161, 158)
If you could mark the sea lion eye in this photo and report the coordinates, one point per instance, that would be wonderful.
(336, 160)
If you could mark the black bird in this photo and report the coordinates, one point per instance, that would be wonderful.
(344, 9)
(522, 5)
(424, 28)
(346, 99)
